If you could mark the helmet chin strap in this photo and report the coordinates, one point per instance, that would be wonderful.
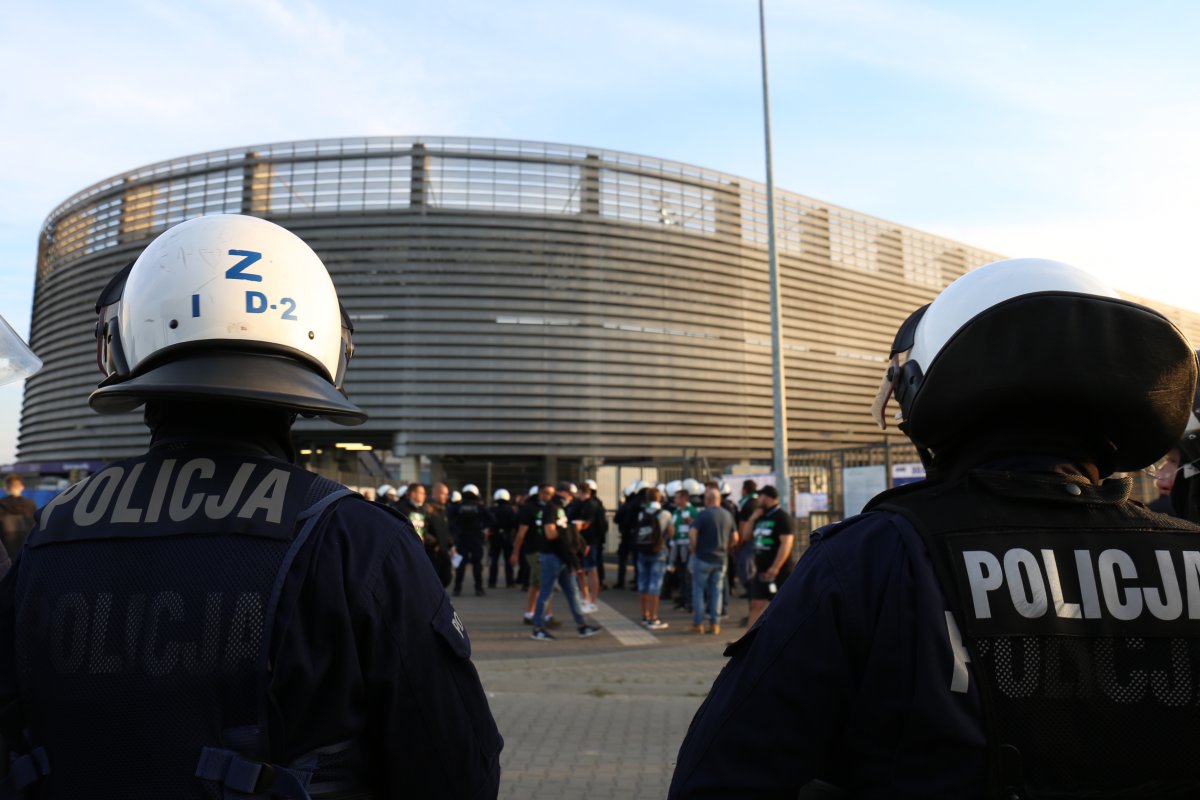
(887, 389)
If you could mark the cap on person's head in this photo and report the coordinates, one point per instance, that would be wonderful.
(194, 318)
(769, 491)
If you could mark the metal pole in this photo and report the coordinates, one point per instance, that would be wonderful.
(782, 479)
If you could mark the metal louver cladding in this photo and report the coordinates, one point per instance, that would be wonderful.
(520, 299)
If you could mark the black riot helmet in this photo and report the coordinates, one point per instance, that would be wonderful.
(1040, 344)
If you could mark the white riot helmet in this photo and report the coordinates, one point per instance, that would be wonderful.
(17, 361)
(1033, 341)
(456, 497)
(383, 491)
(726, 489)
(693, 487)
(638, 485)
(672, 487)
(501, 495)
(225, 307)
(591, 485)
(471, 488)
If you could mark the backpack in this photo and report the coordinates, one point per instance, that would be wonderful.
(649, 534)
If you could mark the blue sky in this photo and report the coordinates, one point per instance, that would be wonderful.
(1063, 129)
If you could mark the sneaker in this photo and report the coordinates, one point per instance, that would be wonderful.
(528, 618)
(588, 630)
(697, 629)
(541, 635)
(644, 622)
(657, 625)
(714, 629)
(589, 608)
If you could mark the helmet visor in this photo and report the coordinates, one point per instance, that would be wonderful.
(17, 361)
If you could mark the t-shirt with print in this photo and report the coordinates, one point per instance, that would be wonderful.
(768, 530)
(415, 515)
(683, 522)
(553, 514)
(534, 541)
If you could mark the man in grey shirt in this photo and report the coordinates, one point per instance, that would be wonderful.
(709, 542)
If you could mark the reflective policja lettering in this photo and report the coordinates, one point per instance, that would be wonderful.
(177, 495)
(1103, 582)
(100, 634)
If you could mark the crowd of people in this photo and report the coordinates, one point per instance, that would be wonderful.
(684, 541)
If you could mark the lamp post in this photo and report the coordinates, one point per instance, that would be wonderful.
(782, 481)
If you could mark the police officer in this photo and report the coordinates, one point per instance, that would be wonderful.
(208, 619)
(1014, 626)
(502, 523)
(626, 520)
(467, 524)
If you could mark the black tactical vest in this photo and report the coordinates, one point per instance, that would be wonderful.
(469, 521)
(145, 602)
(1079, 611)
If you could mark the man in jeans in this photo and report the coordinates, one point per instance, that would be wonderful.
(551, 520)
(708, 541)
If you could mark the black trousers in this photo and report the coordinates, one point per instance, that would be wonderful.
(472, 552)
(500, 548)
(626, 551)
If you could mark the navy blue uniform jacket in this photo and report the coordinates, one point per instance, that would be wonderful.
(848, 677)
(375, 651)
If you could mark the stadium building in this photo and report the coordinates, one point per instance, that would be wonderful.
(525, 309)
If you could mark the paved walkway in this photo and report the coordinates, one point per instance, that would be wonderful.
(600, 717)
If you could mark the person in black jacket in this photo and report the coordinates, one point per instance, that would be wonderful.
(1014, 625)
(501, 527)
(16, 514)
(467, 526)
(626, 519)
(208, 619)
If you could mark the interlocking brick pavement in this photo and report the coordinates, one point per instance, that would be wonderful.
(589, 717)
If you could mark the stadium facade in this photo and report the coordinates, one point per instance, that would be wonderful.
(534, 307)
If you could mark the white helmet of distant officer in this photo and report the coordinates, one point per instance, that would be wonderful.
(501, 496)
(1031, 343)
(225, 307)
